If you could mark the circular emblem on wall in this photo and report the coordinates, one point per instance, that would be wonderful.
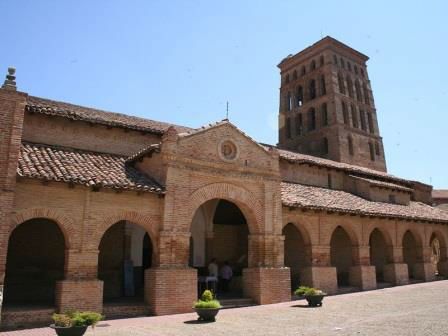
(228, 150)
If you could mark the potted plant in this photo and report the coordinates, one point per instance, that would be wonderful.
(207, 307)
(74, 323)
(314, 297)
(300, 292)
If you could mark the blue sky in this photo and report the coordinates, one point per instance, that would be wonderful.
(180, 61)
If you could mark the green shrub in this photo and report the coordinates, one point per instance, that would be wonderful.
(314, 291)
(301, 290)
(207, 295)
(207, 301)
(77, 319)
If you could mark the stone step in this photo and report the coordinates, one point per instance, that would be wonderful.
(236, 303)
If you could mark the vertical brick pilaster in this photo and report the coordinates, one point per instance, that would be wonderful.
(267, 285)
(12, 109)
(80, 294)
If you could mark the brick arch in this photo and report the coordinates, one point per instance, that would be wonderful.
(303, 231)
(386, 235)
(64, 223)
(439, 235)
(144, 221)
(245, 200)
(418, 236)
(355, 239)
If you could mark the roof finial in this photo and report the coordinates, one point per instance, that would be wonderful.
(227, 111)
(10, 81)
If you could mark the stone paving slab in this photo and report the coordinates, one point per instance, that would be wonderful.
(420, 309)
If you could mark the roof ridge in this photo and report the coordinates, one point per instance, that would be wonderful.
(71, 149)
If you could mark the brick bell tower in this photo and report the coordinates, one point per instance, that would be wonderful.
(327, 107)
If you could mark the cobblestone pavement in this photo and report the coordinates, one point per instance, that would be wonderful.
(420, 309)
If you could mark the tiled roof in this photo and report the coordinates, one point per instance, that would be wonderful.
(145, 151)
(91, 169)
(310, 197)
(382, 184)
(441, 193)
(91, 115)
(353, 169)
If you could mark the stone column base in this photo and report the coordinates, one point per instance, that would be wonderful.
(424, 271)
(171, 290)
(396, 274)
(363, 277)
(79, 295)
(267, 285)
(324, 278)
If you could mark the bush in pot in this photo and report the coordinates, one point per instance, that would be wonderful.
(314, 296)
(207, 307)
(74, 323)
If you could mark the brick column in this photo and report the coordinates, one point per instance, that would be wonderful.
(81, 290)
(171, 288)
(362, 275)
(425, 270)
(266, 280)
(396, 272)
(320, 274)
(12, 109)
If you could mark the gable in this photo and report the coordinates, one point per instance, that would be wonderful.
(225, 144)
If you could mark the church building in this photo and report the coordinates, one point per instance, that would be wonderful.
(118, 214)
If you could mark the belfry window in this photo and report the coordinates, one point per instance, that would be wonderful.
(323, 88)
(345, 113)
(299, 96)
(321, 60)
(294, 75)
(325, 146)
(349, 86)
(289, 102)
(312, 119)
(341, 83)
(299, 124)
(313, 65)
(366, 95)
(372, 152)
(371, 127)
(335, 59)
(324, 111)
(354, 116)
(363, 120)
(377, 149)
(303, 71)
(358, 91)
(350, 146)
(312, 89)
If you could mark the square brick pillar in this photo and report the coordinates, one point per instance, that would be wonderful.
(171, 290)
(363, 277)
(82, 294)
(396, 273)
(424, 271)
(266, 285)
(443, 268)
(320, 277)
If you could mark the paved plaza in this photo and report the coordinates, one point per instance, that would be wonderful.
(419, 309)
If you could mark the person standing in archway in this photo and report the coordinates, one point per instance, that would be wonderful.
(225, 275)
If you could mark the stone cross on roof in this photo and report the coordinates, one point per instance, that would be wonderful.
(10, 81)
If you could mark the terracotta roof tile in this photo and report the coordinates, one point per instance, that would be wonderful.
(91, 169)
(91, 115)
(310, 197)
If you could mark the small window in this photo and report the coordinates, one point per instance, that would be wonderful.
(313, 65)
(358, 91)
(303, 70)
(342, 63)
(349, 66)
(372, 152)
(288, 102)
(324, 110)
(356, 69)
(335, 59)
(350, 146)
(392, 199)
(321, 60)
(366, 95)
(362, 116)
(294, 75)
